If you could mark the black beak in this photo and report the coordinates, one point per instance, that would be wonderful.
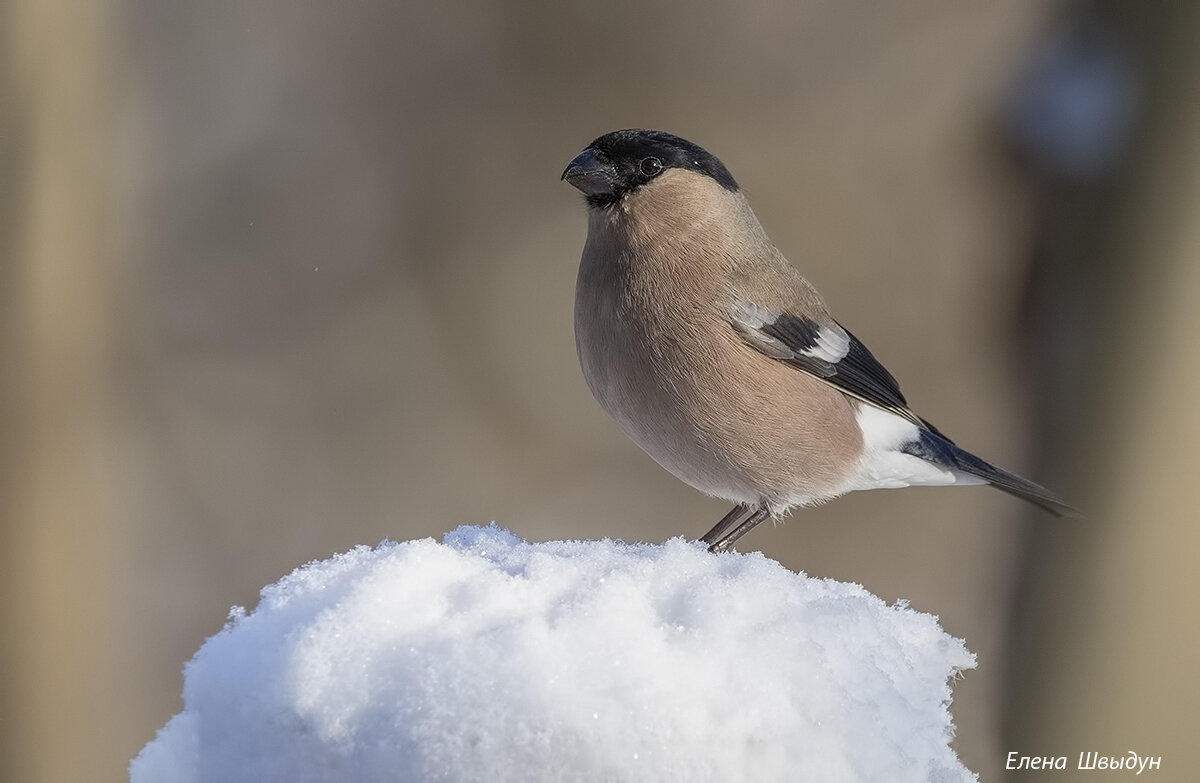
(592, 173)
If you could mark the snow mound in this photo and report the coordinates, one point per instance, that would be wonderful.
(488, 658)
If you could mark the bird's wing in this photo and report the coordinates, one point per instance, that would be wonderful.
(829, 352)
(825, 350)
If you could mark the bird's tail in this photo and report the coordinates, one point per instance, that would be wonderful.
(937, 448)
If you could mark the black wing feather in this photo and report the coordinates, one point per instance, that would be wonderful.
(857, 373)
(862, 373)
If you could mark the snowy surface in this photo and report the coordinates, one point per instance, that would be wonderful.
(488, 658)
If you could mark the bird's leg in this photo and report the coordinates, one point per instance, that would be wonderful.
(727, 521)
(751, 522)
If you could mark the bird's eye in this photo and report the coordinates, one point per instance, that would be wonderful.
(650, 166)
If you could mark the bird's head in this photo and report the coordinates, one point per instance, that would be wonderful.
(620, 162)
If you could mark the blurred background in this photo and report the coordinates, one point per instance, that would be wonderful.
(282, 278)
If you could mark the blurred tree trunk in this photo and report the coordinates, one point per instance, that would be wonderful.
(61, 687)
(1108, 663)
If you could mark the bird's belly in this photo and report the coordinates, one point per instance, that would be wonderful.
(717, 423)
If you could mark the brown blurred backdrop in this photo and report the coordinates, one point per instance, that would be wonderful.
(280, 278)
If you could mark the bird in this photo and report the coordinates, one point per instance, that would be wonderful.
(713, 354)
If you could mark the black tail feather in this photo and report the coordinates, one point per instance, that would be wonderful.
(938, 449)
